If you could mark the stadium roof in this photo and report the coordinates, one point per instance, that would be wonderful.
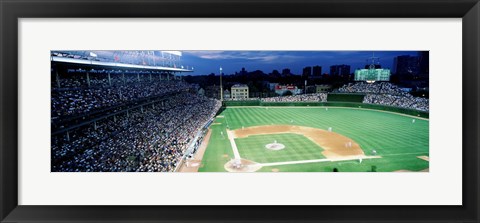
(239, 86)
(115, 64)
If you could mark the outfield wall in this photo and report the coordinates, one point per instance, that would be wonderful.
(345, 97)
(242, 103)
(331, 104)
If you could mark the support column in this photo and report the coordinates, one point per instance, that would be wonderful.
(123, 77)
(57, 78)
(109, 80)
(88, 79)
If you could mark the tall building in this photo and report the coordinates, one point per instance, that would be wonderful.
(275, 73)
(424, 62)
(307, 72)
(239, 91)
(406, 65)
(317, 71)
(243, 71)
(340, 69)
(286, 72)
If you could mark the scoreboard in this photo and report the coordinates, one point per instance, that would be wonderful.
(372, 75)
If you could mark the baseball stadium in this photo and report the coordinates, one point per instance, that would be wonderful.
(136, 111)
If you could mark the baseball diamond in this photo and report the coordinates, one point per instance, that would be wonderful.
(360, 139)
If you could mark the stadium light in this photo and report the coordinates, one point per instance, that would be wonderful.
(221, 85)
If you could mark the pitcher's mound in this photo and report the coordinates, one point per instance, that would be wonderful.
(275, 146)
(245, 166)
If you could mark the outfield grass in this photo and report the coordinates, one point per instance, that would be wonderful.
(393, 136)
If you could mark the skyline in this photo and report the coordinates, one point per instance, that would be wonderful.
(206, 62)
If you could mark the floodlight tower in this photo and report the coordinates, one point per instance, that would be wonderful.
(372, 66)
(221, 85)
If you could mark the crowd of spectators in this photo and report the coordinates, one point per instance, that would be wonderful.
(67, 102)
(385, 93)
(406, 101)
(374, 88)
(242, 99)
(317, 97)
(151, 138)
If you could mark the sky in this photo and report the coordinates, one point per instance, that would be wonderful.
(206, 62)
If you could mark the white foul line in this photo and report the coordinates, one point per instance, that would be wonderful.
(318, 160)
(233, 144)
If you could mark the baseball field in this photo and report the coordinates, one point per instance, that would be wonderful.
(315, 139)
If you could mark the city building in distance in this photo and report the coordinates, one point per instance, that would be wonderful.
(239, 91)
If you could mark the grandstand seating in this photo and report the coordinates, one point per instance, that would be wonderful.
(125, 121)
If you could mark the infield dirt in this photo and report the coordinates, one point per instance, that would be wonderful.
(336, 146)
(192, 165)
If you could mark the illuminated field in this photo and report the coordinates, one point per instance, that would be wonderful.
(389, 141)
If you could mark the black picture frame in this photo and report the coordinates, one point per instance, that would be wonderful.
(11, 11)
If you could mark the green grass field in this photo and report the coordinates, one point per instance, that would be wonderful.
(393, 136)
(299, 148)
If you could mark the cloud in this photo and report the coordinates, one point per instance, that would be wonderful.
(258, 56)
(212, 54)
